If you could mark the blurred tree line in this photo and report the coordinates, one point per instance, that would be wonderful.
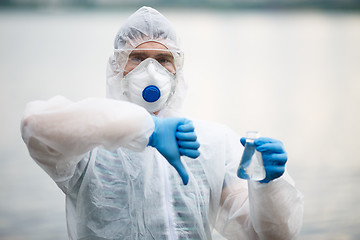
(327, 4)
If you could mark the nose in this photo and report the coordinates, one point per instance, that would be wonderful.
(151, 68)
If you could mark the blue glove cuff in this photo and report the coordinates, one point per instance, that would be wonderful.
(152, 138)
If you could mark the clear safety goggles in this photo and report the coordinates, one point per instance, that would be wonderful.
(128, 59)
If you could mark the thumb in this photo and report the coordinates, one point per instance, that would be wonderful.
(178, 165)
(243, 141)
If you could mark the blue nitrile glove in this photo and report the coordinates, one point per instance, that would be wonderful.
(273, 154)
(175, 137)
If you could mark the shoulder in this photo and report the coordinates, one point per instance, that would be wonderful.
(217, 138)
(210, 129)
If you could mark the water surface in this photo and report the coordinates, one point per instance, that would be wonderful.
(292, 75)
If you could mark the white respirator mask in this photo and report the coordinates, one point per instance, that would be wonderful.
(149, 85)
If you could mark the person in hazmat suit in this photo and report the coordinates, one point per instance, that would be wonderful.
(132, 167)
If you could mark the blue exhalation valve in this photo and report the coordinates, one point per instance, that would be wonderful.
(151, 93)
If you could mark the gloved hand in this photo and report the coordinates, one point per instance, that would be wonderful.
(175, 137)
(273, 154)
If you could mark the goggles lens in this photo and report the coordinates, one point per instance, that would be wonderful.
(167, 58)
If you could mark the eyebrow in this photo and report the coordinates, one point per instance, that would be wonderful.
(144, 54)
(164, 55)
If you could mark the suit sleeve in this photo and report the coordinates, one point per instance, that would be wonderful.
(251, 210)
(59, 133)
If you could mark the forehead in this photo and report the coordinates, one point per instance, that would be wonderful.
(151, 45)
(151, 48)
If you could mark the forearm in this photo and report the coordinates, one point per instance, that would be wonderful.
(58, 131)
(276, 209)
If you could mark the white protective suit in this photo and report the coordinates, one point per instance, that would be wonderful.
(119, 188)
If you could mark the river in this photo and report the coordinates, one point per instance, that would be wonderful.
(293, 75)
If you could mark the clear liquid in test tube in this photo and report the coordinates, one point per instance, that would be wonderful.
(251, 166)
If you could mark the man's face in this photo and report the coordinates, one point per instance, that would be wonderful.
(153, 50)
